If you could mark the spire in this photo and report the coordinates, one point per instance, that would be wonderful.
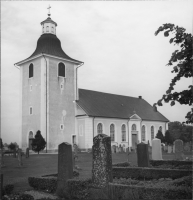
(49, 10)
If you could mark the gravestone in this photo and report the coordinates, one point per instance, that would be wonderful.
(27, 153)
(178, 149)
(20, 157)
(75, 152)
(65, 166)
(114, 149)
(187, 147)
(117, 149)
(14, 153)
(173, 148)
(135, 149)
(121, 150)
(142, 155)
(166, 148)
(169, 149)
(102, 160)
(156, 149)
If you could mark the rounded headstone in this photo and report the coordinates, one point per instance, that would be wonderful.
(156, 149)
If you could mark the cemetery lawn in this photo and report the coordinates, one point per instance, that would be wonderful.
(46, 164)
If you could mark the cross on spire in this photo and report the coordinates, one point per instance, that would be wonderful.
(49, 10)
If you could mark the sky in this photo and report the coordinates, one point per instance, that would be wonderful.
(114, 39)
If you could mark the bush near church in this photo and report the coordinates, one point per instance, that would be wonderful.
(160, 136)
(38, 143)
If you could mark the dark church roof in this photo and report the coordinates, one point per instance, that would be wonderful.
(50, 44)
(99, 104)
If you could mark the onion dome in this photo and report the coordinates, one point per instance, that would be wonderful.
(51, 45)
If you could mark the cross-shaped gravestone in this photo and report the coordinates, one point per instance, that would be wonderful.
(65, 166)
(102, 160)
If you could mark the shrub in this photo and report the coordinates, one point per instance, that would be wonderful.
(8, 189)
(38, 143)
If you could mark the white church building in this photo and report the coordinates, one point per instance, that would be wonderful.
(52, 102)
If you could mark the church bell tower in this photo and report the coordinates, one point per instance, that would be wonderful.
(48, 90)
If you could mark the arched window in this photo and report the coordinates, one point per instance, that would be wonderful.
(152, 132)
(143, 133)
(47, 28)
(133, 128)
(61, 69)
(31, 70)
(52, 29)
(160, 128)
(99, 128)
(30, 135)
(123, 130)
(112, 132)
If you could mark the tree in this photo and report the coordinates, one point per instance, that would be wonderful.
(180, 131)
(168, 138)
(38, 143)
(160, 136)
(182, 61)
(12, 146)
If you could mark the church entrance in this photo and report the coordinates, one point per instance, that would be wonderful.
(134, 141)
(30, 140)
(73, 139)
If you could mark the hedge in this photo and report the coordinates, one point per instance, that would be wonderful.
(149, 173)
(123, 164)
(117, 191)
(170, 162)
(78, 189)
(45, 184)
(84, 189)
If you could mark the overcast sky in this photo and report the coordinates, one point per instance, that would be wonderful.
(114, 39)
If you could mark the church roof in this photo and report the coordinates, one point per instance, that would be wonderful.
(100, 104)
(48, 20)
(50, 44)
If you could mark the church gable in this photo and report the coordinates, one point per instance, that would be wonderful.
(135, 117)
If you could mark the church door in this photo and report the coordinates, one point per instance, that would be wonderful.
(134, 140)
(73, 139)
(30, 142)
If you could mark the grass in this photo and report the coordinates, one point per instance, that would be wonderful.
(44, 164)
